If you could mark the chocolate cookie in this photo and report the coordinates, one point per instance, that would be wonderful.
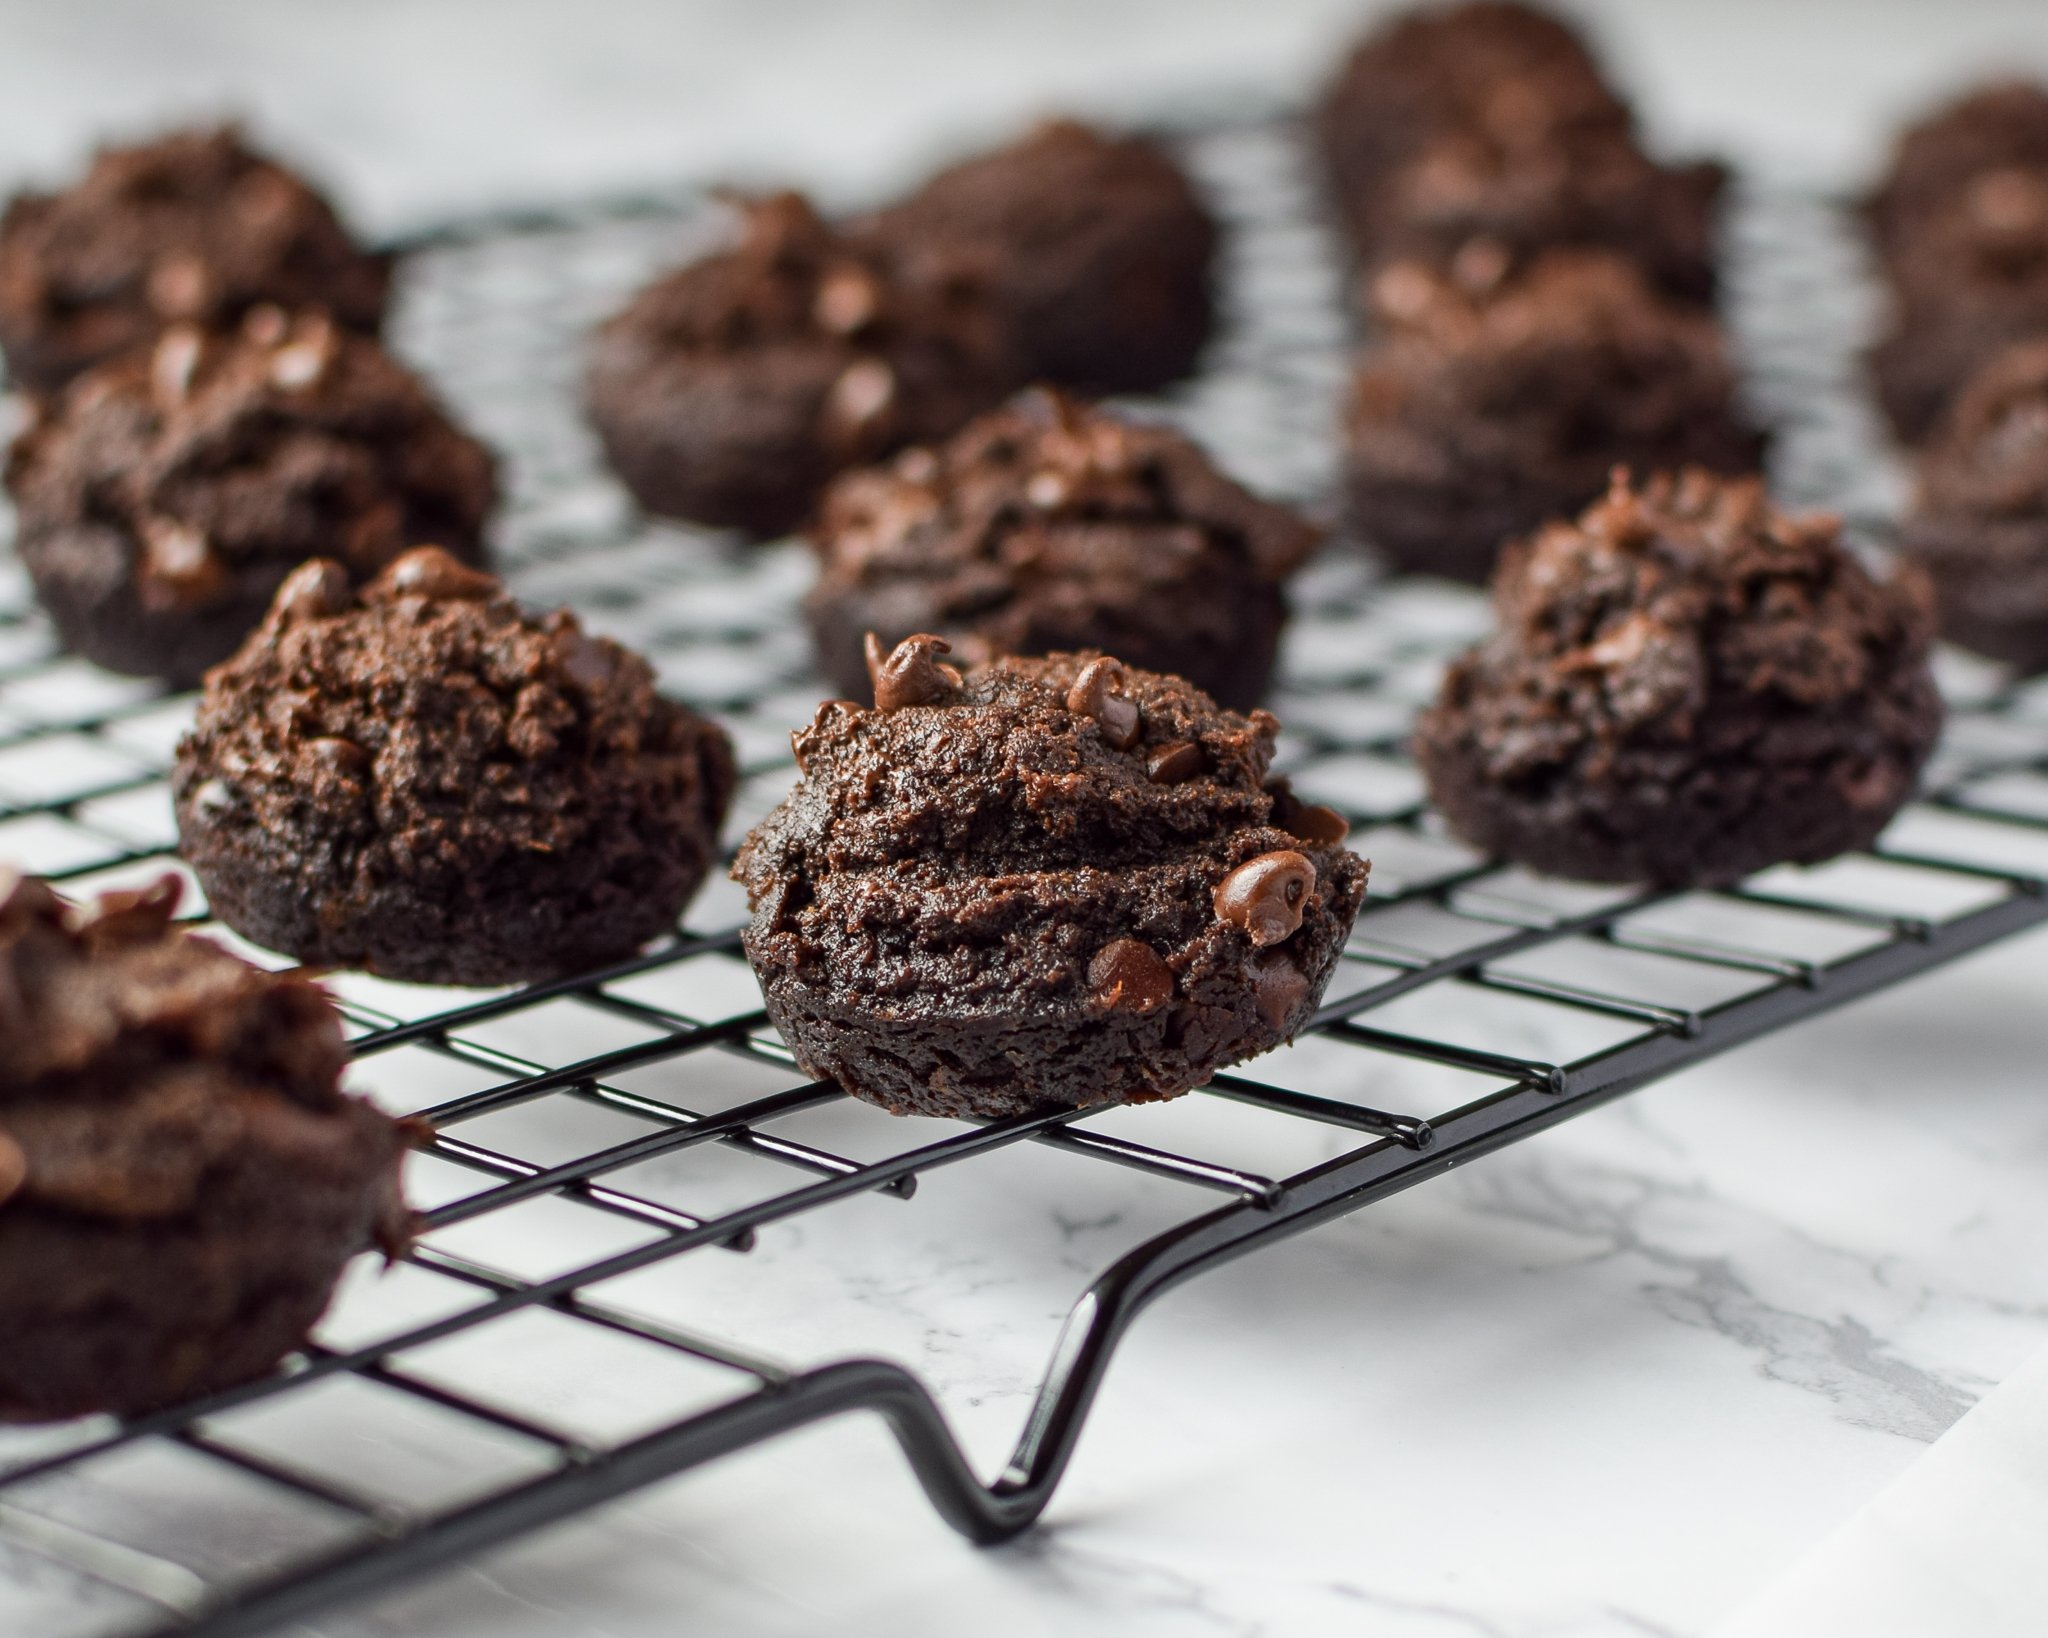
(2001, 126)
(1504, 73)
(1098, 250)
(192, 228)
(1971, 280)
(729, 391)
(1482, 412)
(421, 780)
(1045, 526)
(1471, 194)
(1051, 881)
(1979, 522)
(164, 496)
(1686, 686)
(181, 1177)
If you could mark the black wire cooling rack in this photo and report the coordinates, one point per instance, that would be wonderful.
(626, 1161)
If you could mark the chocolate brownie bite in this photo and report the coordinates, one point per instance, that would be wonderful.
(1048, 881)
(1098, 249)
(1979, 520)
(1484, 410)
(1686, 686)
(1972, 280)
(1048, 526)
(1508, 74)
(164, 496)
(182, 1178)
(730, 391)
(194, 228)
(2000, 126)
(1471, 194)
(419, 779)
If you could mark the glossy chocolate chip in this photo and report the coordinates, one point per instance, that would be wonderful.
(1277, 989)
(1095, 694)
(342, 756)
(1311, 821)
(428, 571)
(13, 1168)
(1171, 764)
(911, 673)
(1265, 895)
(314, 591)
(1129, 973)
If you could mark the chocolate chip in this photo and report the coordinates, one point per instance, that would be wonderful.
(1265, 895)
(315, 590)
(13, 1168)
(1129, 973)
(305, 360)
(1094, 695)
(172, 364)
(1171, 764)
(848, 299)
(180, 287)
(178, 564)
(1278, 987)
(213, 796)
(1311, 821)
(428, 571)
(342, 756)
(859, 399)
(265, 325)
(591, 663)
(911, 673)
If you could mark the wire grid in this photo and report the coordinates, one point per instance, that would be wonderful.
(574, 1321)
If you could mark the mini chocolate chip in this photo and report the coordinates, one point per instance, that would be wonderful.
(265, 325)
(305, 359)
(591, 663)
(858, 400)
(1265, 895)
(178, 563)
(1171, 764)
(13, 1168)
(1129, 973)
(848, 299)
(910, 674)
(342, 756)
(213, 796)
(1094, 695)
(172, 365)
(1277, 989)
(1311, 821)
(1047, 490)
(315, 590)
(179, 287)
(428, 571)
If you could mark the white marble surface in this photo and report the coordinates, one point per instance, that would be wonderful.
(1953, 1545)
(1611, 1382)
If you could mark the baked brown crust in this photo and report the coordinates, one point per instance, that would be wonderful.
(422, 780)
(181, 1177)
(193, 228)
(1686, 686)
(164, 496)
(1044, 526)
(1052, 881)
